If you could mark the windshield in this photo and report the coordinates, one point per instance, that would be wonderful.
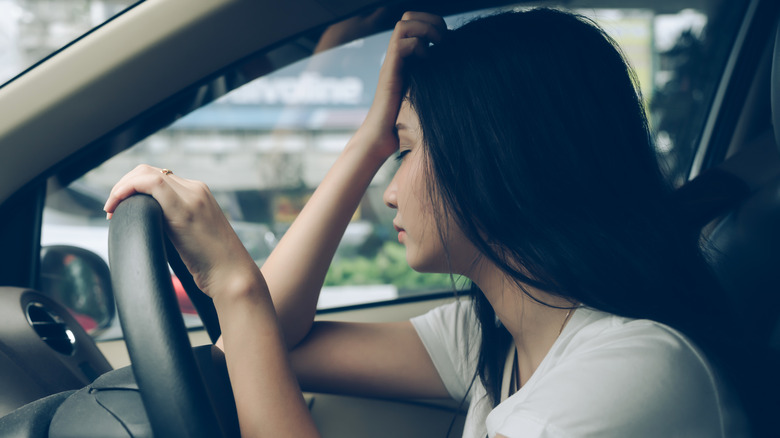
(32, 30)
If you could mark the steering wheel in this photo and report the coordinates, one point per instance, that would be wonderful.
(182, 396)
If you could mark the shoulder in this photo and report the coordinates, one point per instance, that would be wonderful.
(454, 323)
(597, 337)
(612, 376)
(636, 360)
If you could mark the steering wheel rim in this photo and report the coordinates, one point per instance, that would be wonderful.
(175, 397)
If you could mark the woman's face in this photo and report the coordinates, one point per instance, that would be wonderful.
(415, 218)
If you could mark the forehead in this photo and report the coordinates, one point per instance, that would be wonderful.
(407, 118)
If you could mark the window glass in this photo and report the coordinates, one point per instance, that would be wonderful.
(31, 30)
(264, 147)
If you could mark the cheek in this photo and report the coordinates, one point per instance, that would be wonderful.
(411, 186)
(463, 254)
(423, 213)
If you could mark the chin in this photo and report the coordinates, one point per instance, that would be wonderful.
(429, 265)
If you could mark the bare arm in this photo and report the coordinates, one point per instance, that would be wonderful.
(377, 359)
(263, 313)
(296, 269)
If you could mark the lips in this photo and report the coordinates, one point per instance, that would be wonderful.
(401, 233)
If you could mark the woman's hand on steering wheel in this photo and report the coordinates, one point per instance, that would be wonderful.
(195, 224)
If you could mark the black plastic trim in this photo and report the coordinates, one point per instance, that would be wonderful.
(20, 236)
(754, 33)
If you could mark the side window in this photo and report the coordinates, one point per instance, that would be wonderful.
(678, 55)
(264, 147)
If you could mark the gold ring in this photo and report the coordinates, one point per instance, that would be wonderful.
(166, 171)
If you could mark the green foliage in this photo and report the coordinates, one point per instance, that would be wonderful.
(388, 266)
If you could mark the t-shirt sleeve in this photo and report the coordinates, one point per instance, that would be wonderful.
(450, 334)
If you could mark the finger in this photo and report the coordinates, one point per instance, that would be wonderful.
(419, 29)
(409, 37)
(408, 46)
(432, 19)
(143, 179)
(120, 191)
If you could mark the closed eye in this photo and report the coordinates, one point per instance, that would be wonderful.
(401, 154)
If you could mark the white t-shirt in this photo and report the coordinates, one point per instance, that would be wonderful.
(605, 376)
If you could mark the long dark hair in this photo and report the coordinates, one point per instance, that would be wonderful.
(537, 143)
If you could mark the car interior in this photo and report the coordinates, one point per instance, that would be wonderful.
(160, 60)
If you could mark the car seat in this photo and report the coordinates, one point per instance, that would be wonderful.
(738, 208)
(744, 246)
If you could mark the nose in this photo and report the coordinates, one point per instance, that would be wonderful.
(391, 195)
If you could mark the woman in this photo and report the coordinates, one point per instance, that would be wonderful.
(526, 166)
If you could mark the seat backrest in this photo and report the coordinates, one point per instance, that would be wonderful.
(744, 249)
(745, 245)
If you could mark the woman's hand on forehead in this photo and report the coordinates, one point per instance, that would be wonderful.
(416, 31)
(412, 36)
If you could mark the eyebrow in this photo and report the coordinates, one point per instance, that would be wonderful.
(401, 127)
